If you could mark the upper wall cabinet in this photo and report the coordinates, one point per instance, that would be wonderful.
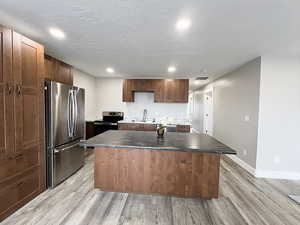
(57, 70)
(128, 94)
(172, 90)
(168, 90)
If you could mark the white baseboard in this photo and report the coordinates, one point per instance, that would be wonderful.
(277, 174)
(243, 164)
(261, 173)
(264, 173)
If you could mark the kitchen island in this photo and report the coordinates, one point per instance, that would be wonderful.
(180, 164)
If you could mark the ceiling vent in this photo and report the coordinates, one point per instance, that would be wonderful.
(201, 78)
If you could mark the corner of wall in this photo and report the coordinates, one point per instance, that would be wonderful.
(259, 115)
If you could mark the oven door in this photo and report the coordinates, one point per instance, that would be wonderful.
(65, 160)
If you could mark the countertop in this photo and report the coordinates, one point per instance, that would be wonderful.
(172, 141)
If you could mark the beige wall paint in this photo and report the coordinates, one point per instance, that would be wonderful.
(88, 82)
(235, 96)
(109, 95)
(279, 117)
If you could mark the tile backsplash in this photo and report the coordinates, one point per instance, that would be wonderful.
(172, 112)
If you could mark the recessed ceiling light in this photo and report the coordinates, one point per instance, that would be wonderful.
(171, 69)
(57, 33)
(110, 70)
(183, 24)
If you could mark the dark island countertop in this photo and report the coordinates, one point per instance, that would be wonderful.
(172, 141)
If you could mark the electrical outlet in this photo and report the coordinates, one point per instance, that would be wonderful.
(245, 152)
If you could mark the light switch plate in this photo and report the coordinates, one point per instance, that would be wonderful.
(247, 118)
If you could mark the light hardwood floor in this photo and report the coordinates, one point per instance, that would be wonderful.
(243, 200)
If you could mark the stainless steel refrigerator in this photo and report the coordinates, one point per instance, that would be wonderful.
(65, 127)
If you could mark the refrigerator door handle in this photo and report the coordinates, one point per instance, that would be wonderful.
(70, 113)
(75, 112)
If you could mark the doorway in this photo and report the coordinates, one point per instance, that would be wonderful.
(208, 113)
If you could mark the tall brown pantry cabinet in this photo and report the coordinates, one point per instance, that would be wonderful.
(22, 160)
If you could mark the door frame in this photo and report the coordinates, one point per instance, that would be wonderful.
(208, 121)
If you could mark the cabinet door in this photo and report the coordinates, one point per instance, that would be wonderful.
(128, 95)
(6, 94)
(159, 92)
(63, 73)
(28, 64)
(58, 71)
(49, 67)
(171, 90)
(182, 90)
(143, 85)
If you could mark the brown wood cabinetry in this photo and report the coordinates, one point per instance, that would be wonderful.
(57, 70)
(128, 94)
(89, 129)
(144, 85)
(49, 67)
(172, 91)
(150, 127)
(157, 172)
(168, 90)
(183, 128)
(21, 120)
(137, 126)
(6, 95)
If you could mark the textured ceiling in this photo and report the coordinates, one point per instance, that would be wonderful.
(138, 37)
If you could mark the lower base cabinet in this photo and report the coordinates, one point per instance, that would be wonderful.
(137, 126)
(18, 163)
(17, 191)
(183, 128)
(89, 130)
(150, 127)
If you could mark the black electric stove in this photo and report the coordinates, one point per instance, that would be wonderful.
(109, 122)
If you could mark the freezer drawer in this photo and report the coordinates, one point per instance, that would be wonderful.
(66, 160)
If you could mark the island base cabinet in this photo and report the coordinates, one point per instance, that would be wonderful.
(186, 174)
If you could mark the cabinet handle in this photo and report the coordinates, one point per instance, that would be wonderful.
(20, 155)
(18, 89)
(9, 89)
(20, 183)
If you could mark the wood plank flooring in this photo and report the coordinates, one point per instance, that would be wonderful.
(243, 200)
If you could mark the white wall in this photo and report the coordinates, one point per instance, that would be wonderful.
(235, 96)
(87, 82)
(109, 98)
(160, 111)
(279, 117)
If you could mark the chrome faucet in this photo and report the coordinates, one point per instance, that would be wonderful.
(145, 115)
